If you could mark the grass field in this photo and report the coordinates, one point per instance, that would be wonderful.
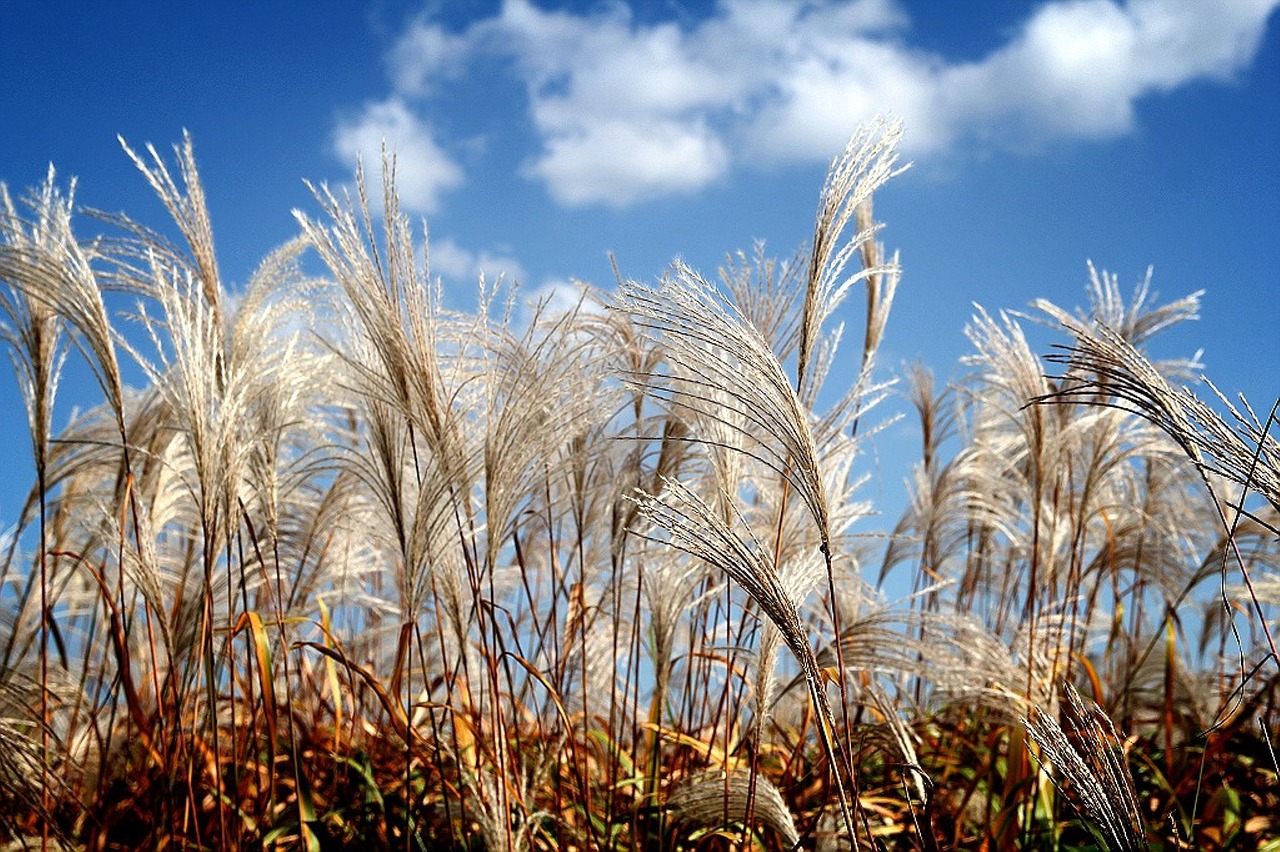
(350, 570)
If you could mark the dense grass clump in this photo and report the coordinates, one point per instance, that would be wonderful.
(352, 570)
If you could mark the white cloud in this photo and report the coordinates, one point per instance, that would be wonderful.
(424, 55)
(553, 299)
(455, 263)
(423, 169)
(619, 162)
(1078, 68)
(623, 111)
(557, 296)
(821, 96)
(628, 110)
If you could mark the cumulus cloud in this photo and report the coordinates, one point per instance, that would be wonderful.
(423, 170)
(627, 110)
(1079, 68)
(455, 263)
(620, 162)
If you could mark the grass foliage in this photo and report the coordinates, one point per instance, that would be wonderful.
(348, 568)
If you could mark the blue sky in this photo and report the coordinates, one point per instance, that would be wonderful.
(538, 137)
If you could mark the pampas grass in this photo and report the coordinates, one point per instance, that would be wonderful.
(351, 569)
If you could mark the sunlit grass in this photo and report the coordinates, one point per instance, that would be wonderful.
(352, 570)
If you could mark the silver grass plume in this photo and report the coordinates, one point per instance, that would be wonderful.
(934, 530)
(218, 367)
(699, 529)
(669, 587)
(767, 294)
(44, 260)
(866, 163)
(504, 820)
(702, 531)
(799, 577)
(723, 368)
(41, 263)
(408, 396)
(185, 203)
(29, 325)
(393, 307)
(33, 335)
(728, 374)
(207, 397)
(899, 736)
(1138, 319)
(26, 764)
(1106, 368)
(272, 321)
(544, 392)
(1088, 765)
(719, 799)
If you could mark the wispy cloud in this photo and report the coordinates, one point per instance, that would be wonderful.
(626, 110)
(455, 263)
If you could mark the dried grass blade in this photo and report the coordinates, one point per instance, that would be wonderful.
(393, 710)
